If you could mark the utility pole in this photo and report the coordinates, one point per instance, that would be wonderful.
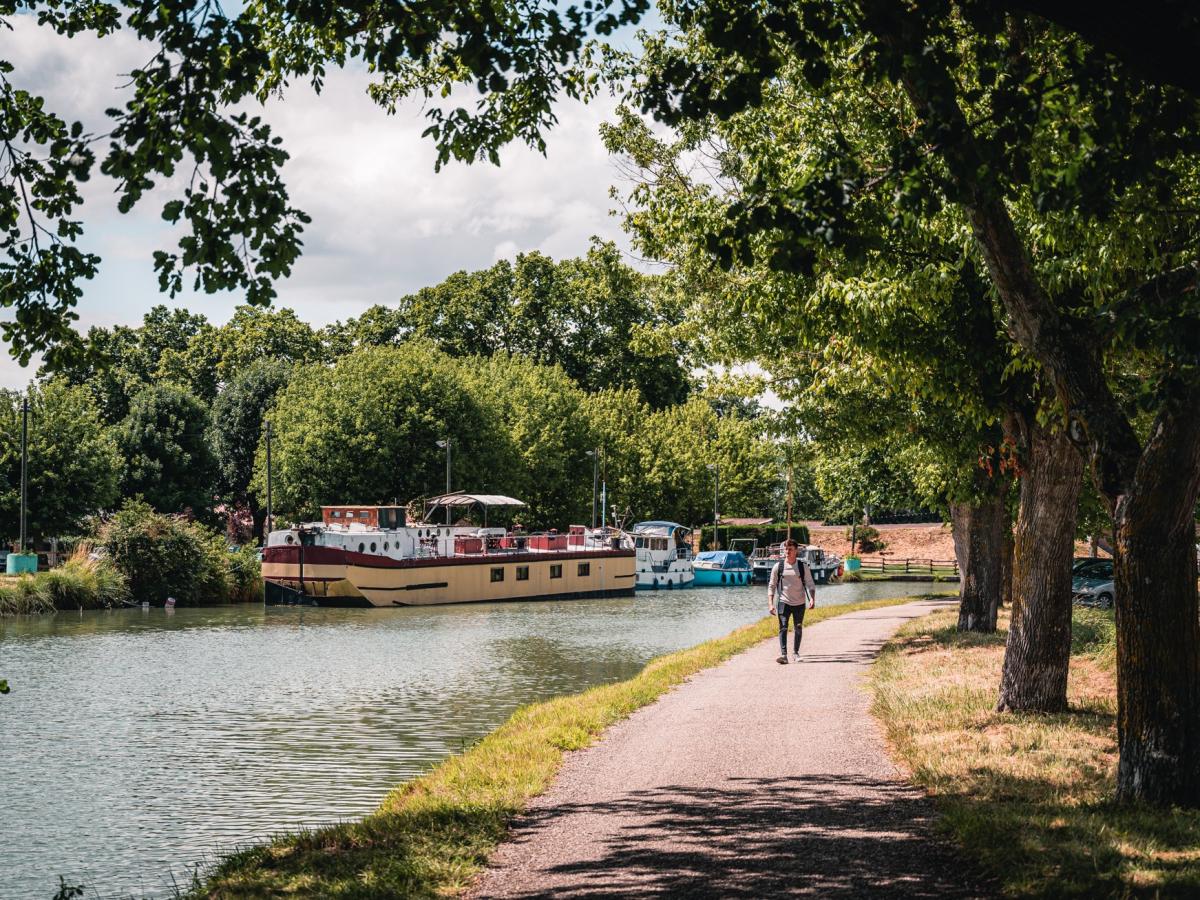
(716, 496)
(595, 455)
(24, 468)
(446, 444)
(789, 503)
(270, 521)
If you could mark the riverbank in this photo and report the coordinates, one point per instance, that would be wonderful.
(79, 583)
(434, 834)
(1029, 796)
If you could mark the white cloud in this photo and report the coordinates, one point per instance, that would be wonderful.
(384, 224)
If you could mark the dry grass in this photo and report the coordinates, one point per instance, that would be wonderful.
(1029, 796)
(431, 836)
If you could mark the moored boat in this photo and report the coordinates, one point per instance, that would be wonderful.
(664, 555)
(721, 567)
(371, 556)
(825, 566)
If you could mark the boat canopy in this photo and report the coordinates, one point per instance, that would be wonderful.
(725, 559)
(658, 527)
(460, 498)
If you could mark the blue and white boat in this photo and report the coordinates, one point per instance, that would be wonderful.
(722, 567)
(664, 555)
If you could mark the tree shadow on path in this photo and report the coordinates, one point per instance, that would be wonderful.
(817, 835)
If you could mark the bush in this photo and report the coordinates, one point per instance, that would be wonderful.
(869, 539)
(20, 596)
(245, 576)
(84, 583)
(167, 556)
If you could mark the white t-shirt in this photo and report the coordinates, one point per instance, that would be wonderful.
(791, 585)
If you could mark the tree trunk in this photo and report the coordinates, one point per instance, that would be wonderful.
(979, 548)
(1038, 651)
(1006, 569)
(1158, 620)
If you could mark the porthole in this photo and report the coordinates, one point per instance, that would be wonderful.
(385, 546)
(362, 547)
(372, 546)
(290, 539)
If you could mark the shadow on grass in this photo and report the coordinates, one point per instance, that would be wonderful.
(1043, 847)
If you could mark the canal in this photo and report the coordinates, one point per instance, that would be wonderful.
(137, 744)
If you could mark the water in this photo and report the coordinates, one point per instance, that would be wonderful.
(137, 743)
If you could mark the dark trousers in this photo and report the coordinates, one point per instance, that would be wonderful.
(796, 613)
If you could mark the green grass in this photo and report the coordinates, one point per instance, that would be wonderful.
(1029, 796)
(432, 835)
(79, 583)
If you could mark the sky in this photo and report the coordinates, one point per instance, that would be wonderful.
(384, 223)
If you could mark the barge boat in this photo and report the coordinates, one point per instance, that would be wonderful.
(370, 556)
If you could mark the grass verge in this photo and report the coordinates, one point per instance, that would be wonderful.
(432, 835)
(1029, 796)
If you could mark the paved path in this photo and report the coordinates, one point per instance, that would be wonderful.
(751, 780)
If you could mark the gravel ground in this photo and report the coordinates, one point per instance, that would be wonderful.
(751, 780)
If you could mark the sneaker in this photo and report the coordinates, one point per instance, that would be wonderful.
(795, 657)
(782, 659)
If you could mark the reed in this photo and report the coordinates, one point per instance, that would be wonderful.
(82, 582)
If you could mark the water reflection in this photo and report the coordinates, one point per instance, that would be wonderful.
(137, 742)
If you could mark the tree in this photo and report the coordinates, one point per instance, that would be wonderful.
(1042, 144)
(365, 431)
(186, 114)
(73, 462)
(164, 443)
(237, 429)
(605, 324)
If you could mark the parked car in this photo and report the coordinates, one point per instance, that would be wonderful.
(1092, 582)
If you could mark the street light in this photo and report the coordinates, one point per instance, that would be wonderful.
(715, 469)
(446, 445)
(595, 455)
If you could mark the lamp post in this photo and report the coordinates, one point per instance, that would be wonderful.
(24, 468)
(446, 444)
(715, 469)
(270, 519)
(595, 455)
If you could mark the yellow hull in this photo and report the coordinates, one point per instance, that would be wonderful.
(323, 579)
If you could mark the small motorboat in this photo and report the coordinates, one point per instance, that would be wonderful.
(721, 567)
(825, 566)
(664, 555)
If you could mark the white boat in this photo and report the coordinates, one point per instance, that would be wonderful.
(824, 565)
(664, 555)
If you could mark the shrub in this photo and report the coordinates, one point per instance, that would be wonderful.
(19, 596)
(869, 539)
(245, 572)
(84, 582)
(166, 556)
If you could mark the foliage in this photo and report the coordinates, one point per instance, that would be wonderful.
(83, 582)
(366, 429)
(22, 596)
(605, 324)
(245, 575)
(237, 425)
(164, 442)
(868, 538)
(765, 535)
(166, 556)
(73, 461)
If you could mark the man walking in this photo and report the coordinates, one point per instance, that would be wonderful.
(790, 586)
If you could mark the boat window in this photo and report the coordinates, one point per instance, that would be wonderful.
(361, 548)
(497, 574)
(585, 569)
(522, 573)
(289, 539)
(362, 514)
(556, 570)
(372, 546)
(385, 546)
(639, 543)
(337, 513)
